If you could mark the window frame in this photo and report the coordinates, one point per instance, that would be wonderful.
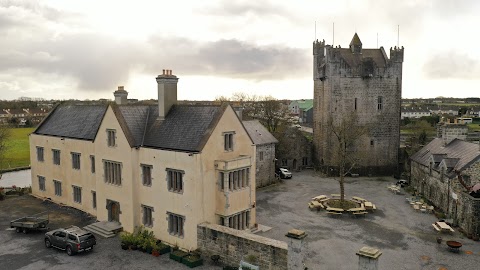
(146, 181)
(175, 228)
(77, 194)
(56, 156)
(111, 137)
(40, 153)
(94, 199)
(41, 183)
(380, 103)
(228, 141)
(76, 158)
(57, 184)
(147, 216)
(112, 170)
(174, 184)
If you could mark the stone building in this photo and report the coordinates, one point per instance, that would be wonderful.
(294, 150)
(364, 82)
(447, 173)
(167, 167)
(265, 152)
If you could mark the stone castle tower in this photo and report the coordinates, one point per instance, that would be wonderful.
(362, 82)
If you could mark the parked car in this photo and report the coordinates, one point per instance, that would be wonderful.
(402, 183)
(284, 173)
(72, 240)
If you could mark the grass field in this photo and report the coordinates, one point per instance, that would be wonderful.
(18, 152)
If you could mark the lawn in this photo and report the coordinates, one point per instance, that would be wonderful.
(18, 151)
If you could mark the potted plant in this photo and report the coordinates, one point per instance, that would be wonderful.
(125, 240)
(150, 246)
(163, 248)
(155, 250)
(177, 255)
(192, 259)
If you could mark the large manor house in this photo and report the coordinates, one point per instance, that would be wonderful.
(168, 167)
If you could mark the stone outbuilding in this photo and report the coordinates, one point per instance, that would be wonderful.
(265, 144)
(294, 150)
(447, 174)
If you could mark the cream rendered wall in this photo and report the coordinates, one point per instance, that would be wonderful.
(238, 200)
(63, 172)
(123, 153)
(188, 203)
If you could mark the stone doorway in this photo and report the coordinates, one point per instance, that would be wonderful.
(114, 212)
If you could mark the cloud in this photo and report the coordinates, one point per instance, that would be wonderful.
(243, 8)
(451, 65)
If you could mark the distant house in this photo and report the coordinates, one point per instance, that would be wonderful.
(414, 112)
(303, 109)
(35, 115)
(167, 167)
(448, 110)
(265, 153)
(447, 173)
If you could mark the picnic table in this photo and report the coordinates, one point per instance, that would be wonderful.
(335, 196)
(315, 205)
(319, 198)
(336, 210)
(358, 199)
(441, 226)
(369, 206)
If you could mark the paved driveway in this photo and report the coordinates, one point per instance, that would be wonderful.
(27, 251)
(405, 237)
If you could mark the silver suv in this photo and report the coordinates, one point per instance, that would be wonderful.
(72, 240)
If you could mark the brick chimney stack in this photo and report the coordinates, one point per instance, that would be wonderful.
(167, 92)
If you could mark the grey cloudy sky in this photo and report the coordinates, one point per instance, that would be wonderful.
(85, 49)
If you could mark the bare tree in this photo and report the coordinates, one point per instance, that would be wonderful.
(272, 113)
(346, 153)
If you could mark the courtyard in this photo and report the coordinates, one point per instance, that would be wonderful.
(404, 236)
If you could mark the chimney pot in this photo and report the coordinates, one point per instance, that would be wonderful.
(121, 88)
(163, 72)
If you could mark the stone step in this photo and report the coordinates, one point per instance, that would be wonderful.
(99, 231)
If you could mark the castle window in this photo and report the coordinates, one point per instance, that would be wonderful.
(372, 142)
(94, 199)
(240, 221)
(379, 103)
(261, 156)
(355, 104)
(92, 163)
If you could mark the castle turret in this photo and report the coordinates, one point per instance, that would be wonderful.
(356, 44)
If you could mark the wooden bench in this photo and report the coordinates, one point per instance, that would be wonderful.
(436, 227)
(356, 214)
(334, 213)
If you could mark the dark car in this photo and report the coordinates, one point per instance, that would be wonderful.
(402, 183)
(72, 240)
(284, 173)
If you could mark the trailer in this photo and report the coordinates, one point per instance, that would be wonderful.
(31, 223)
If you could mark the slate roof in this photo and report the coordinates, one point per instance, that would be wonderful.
(457, 153)
(73, 121)
(185, 128)
(259, 133)
(354, 59)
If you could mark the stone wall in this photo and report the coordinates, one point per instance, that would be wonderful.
(449, 195)
(234, 245)
(265, 174)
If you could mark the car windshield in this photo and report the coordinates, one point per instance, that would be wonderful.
(283, 170)
(86, 237)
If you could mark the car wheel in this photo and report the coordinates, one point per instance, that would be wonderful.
(25, 230)
(69, 251)
(18, 230)
(48, 244)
